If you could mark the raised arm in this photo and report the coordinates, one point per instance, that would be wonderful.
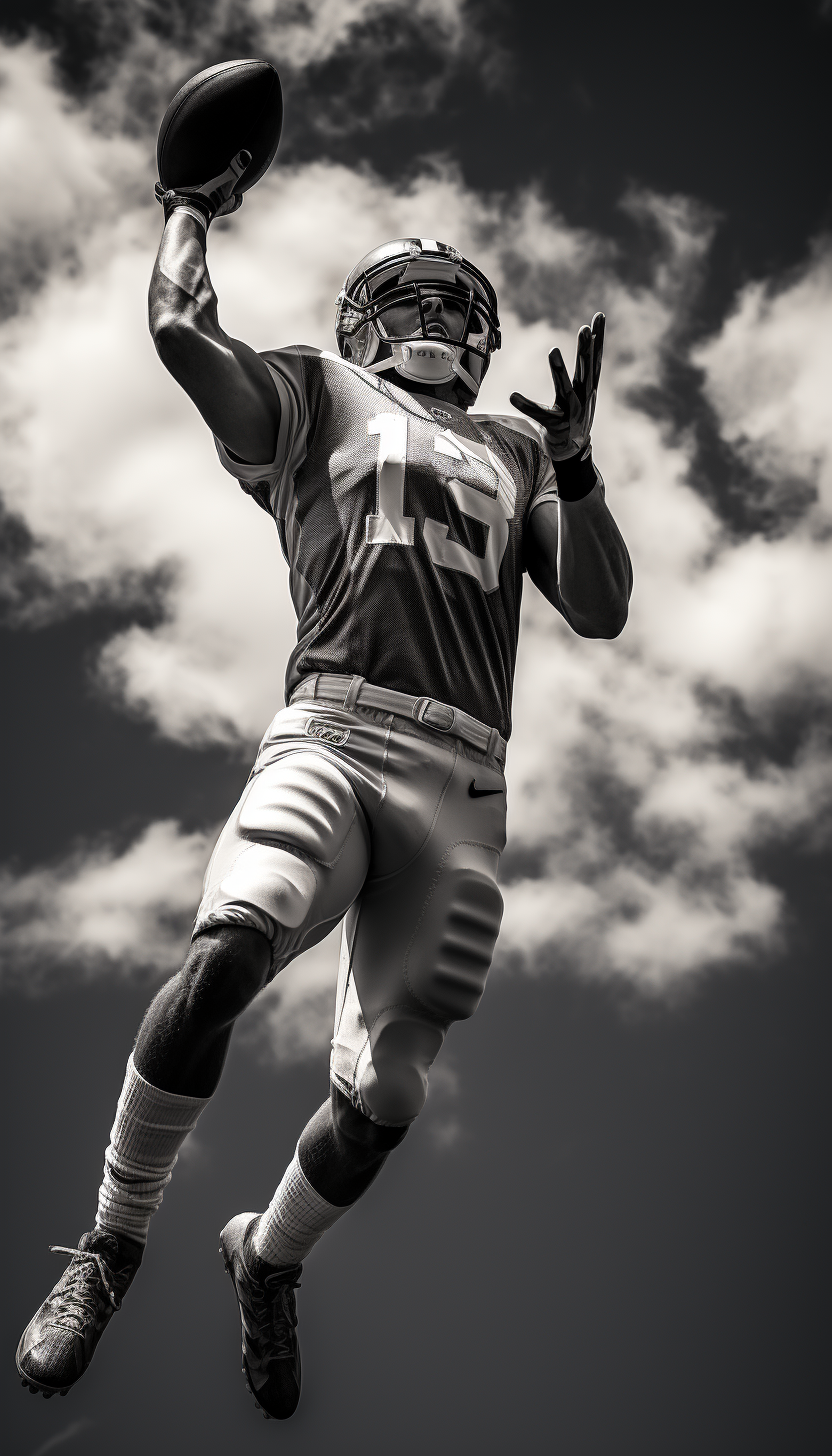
(228, 382)
(574, 551)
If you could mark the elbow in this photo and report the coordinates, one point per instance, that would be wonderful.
(613, 626)
(167, 330)
(610, 621)
(177, 342)
(604, 624)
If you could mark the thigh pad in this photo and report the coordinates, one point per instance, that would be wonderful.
(291, 858)
(301, 800)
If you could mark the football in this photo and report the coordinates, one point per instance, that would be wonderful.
(216, 114)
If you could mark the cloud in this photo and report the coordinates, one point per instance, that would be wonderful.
(344, 63)
(648, 775)
(127, 913)
(103, 910)
(767, 375)
(58, 175)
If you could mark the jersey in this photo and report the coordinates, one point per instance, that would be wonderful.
(402, 524)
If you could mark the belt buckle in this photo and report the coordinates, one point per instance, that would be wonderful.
(423, 707)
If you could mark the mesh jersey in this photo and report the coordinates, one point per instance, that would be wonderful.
(402, 524)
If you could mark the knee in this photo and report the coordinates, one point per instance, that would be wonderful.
(355, 1129)
(226, 967)
(395, 1093)
(394, 1084)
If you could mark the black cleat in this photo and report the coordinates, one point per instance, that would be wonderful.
(266, 1297)
(57, 1345)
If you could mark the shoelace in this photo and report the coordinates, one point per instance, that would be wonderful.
(273, 1305)
(78, 1289)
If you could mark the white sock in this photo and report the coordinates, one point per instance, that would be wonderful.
(150, 1128)
(294, 1220)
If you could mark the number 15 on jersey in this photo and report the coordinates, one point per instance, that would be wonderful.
(389, 526)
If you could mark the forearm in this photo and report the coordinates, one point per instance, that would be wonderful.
(228, 382)
(576, 556)
(593, 567)
(181, 293)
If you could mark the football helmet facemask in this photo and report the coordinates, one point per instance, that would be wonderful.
(411, 272)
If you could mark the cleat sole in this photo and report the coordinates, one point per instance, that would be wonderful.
(34, 1388)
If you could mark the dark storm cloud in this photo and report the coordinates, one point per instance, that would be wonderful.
(345, 63)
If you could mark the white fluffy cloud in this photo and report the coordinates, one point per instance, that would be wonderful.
(102, 910)
(635, 790)
(128, 912)
(58, 175)
(767, 376)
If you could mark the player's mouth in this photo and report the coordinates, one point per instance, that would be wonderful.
(437, 331)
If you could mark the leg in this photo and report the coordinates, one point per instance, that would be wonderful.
(339, 1154)
(341, 1151)
(179, 1055)
(416, 950)
(184, 1037)
(264, 902)
(174, 1070)
(418, 944)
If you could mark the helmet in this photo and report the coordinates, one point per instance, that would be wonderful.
(407, 271)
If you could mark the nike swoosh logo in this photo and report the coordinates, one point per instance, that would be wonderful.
(476, 793)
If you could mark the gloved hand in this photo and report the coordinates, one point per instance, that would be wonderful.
(216, 198)
(568, 422)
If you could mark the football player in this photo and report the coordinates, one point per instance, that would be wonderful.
(377, 796)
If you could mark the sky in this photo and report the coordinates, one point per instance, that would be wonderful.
(607, 1231)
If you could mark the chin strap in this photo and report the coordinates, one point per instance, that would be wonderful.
(421, 361)
(467, 379)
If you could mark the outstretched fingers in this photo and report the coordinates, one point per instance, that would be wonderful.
(583, 364)
(574, 399)
(561, 380)
(598, 327)
(528, 407)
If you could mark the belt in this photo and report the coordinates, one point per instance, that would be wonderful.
(353, 692)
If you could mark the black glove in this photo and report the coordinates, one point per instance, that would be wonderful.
(568, 423)
(216, 198)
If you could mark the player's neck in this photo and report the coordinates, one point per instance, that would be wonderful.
(444, 393)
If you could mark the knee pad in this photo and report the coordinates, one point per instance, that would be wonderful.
(449, 955)
(393, 1084)
(356, 1127)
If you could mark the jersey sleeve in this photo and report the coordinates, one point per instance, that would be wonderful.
(271, 484)
(544, 485)
(545, 488)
